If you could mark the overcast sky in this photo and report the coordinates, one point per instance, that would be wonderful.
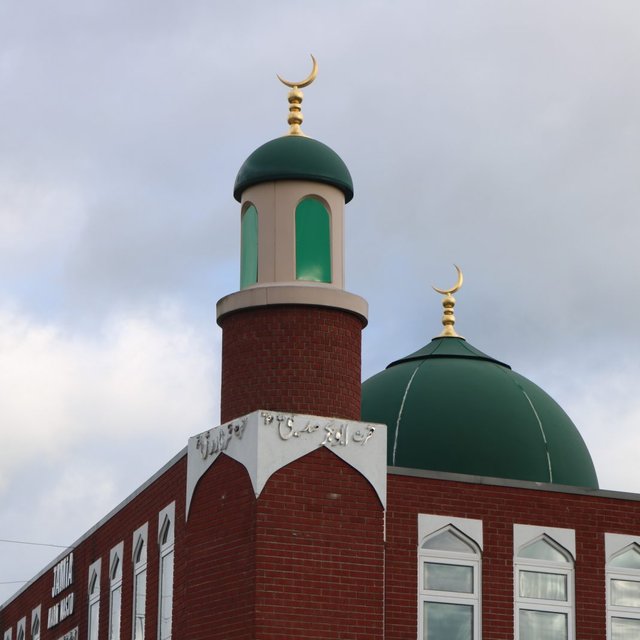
(503, 136)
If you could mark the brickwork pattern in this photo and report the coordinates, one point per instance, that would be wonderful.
(319, 553)
(299, 359)
(499, 508)
(220, 593)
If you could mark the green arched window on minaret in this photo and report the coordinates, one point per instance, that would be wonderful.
(313, 241)
(249, 247)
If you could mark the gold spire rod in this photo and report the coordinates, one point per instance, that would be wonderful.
(295, 99)
(449, 302)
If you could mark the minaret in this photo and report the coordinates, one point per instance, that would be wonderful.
(292, 334)
(286, 498)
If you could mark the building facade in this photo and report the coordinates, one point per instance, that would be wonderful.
(447, 498)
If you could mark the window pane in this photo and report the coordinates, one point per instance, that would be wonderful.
(625, 629)
(625, 593)
(114, 620)
(448, 577)
(141, 552)
(166, 596)
(93, 620)
(447, 621)
(249, 247)
(313, 242)
(630, 559)
(543, 625)
(94, 585)
(448, 541)
(543, 586)
(139, 601)
(543, 550)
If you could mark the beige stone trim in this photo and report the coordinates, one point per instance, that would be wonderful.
(276, 205)
(311, 293)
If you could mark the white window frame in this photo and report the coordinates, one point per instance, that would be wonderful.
(166, 529)
(525, 535)
(8, 633)
(140, 537)
(36, 615)
(470, 532)
(93, 598)
(21, 628)
(616, 545)
(115, 587)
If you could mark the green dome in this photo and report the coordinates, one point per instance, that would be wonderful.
(450, 407)
(294, 158)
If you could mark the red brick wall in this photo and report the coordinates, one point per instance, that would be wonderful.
(221, 548)
(499, 508)
(298, 359)
(319, 553)
(143, 508)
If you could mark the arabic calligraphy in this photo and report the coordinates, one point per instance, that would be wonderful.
(336, 433)
(217, 440)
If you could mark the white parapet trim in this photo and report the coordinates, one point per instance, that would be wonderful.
(265, 441)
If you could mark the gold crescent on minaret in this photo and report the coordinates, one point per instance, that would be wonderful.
(456, 287)
(448, 303)
(303, 83)
(295, 99)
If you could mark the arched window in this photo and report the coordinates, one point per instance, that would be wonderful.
(35, 623)
(115, 591)
(544, 590)
(313, 241)
(139, 581)
(623, 591)
(166, 537)
(20, 631)
(449, 575)
(94, 600)
(249, 247)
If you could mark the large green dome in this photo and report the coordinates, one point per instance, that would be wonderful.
(294, 158)
(450, 407)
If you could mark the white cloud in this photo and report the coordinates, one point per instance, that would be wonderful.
(140, 376)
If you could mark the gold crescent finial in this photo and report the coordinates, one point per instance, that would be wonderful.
(303, 83)
(449, 302)
(295, 99)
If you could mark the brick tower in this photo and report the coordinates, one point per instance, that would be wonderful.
(291, 515)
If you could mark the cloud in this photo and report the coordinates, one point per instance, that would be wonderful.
(139, 378)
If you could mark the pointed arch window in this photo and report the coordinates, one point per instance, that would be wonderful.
(139, 582)
(449, 586)
(35, 623)
(166, 537)
(543, 588)
(313, 241)
(94, 600)
(249, 247)
(623, 587)
(21, 629)
(7, 634)
(115, 591)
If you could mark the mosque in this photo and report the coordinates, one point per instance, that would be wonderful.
(445, 498)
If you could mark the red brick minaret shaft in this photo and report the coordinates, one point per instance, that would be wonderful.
(293, 358)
